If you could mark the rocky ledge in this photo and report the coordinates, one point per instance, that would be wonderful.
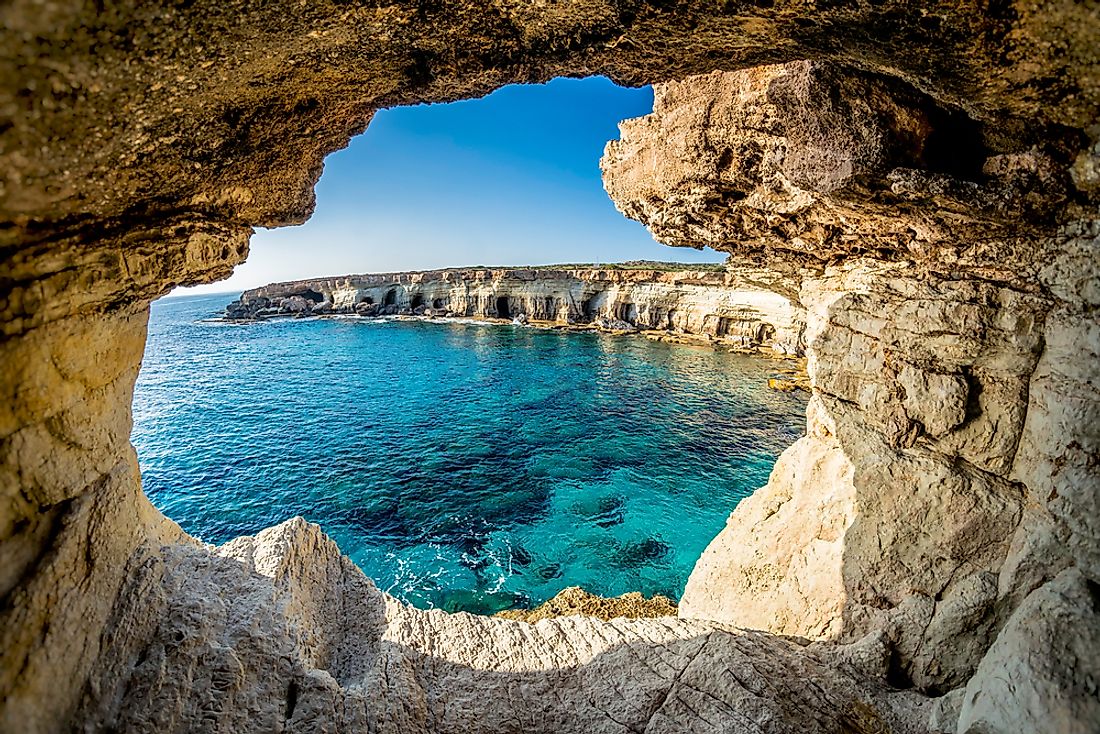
(574, 600)
(743, 307)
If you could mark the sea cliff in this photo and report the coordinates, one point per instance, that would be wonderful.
(740, 307)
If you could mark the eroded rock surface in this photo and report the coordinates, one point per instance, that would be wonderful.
(949, 466)
(739, 306)
(928, 184)
(281, 633)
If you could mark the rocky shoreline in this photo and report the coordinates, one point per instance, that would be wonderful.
(923, 179)
(731, 308)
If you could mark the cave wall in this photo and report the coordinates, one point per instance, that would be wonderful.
(949, 467)
(141, 142)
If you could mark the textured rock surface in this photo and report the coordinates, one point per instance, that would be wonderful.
(574, 600)
(929, 180)
(282, 633)
(740, 306)
(949, 466)
(1041, 674)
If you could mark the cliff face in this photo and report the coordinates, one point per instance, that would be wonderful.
(947, 486)
(928, 185)
(734, 307)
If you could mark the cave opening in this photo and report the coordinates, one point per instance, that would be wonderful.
(955, 145)
(956, 151)
(526, 395)
(309, 294)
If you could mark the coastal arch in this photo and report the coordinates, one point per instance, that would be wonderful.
(213, 158)
(390, 299)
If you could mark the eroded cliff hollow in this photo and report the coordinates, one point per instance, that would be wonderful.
(930, 181)
(740, 307)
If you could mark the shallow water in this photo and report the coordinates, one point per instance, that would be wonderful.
(461, 465)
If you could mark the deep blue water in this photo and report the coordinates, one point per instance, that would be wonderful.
(462, 466)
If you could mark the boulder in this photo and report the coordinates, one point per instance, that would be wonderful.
(294, 304)
(1041, 673)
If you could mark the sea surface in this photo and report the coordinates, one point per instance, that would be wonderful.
(463, 466)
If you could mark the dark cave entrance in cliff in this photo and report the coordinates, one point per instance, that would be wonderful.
(310, 295)
(504, 307)
(390, 299)
(416, 301)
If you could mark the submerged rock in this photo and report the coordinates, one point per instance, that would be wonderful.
(576, 601)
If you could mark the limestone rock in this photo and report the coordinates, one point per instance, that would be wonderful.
(919, 178)
(938, 402)
(778, 563)
(575, 600)
(945, 472)
(1040, 675)
(805, 161)
(279, 631)
(737, 306)
(944, 718)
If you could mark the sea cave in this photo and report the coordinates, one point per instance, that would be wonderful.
(923, 183)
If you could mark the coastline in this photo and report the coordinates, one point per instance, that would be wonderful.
(789, 376)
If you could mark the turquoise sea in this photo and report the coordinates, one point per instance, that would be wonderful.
(465, 466)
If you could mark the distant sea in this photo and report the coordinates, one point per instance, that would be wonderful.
(463, 466)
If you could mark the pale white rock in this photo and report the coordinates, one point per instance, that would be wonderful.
(893, 513)
(920, 538)
(1060, 443)
(1042, 672)
(1037, 554)
(944, 717)
(937, 401)
(279, 632)
(778, 563)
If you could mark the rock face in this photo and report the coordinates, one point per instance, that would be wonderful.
(735, 307)
(574, 600)
(949, 467)
(282, 633)
(925, 186)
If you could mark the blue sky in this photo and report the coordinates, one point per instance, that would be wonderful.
(509, 179)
